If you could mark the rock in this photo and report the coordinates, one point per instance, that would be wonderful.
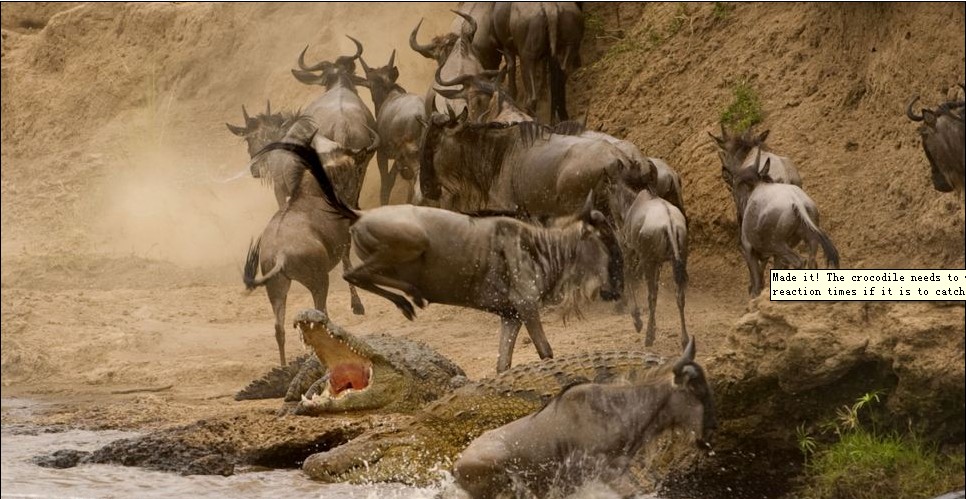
(64, 458)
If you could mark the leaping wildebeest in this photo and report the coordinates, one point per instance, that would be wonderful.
(775, 218)
(491, 263)
(738, 152)
(304, 240)
(398, 123)
(589, 431)
(943, 138)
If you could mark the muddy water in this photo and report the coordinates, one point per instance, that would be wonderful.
(23, 479)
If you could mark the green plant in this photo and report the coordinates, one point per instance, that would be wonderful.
(593, 24)
(864, 462)
(722, 11)
(744, 110)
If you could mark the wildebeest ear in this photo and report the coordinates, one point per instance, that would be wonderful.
(764, 169)
(394, 72)
(929, 117)
(463, 115)
(687, 357)
(763, 136)
(717, 140)
(237, 130)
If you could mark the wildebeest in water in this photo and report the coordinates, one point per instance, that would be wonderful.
(588, 431)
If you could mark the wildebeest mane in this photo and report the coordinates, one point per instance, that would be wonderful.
(310, 159)
(570, 127)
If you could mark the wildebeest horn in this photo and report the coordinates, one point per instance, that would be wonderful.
(302, 65)
(758, 162)
(365, 67)
(459, 80)
(687, 356)
(472, 22)
(424, 50)
(245, 114)
(392, 58)
(358, 47)
(909, 113)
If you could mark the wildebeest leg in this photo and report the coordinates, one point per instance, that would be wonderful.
(365, 277)
(558, 92)
(277, 289)
(753, 260)
(386, 177)
(634, 286)
(511, 73)
(509, 328)
(652, 273)
(357, 307)
(531, 84)
(531, 317)
(682, 289)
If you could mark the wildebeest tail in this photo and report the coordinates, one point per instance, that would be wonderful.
(251, 267)
(831, 253)
(311, 161)
(680, 266)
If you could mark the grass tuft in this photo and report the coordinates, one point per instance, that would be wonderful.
(744, 110)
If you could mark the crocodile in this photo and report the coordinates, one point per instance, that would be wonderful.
(350, 373)
(364, 446)
(413, 451)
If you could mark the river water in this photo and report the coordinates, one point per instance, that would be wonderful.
(20, 478)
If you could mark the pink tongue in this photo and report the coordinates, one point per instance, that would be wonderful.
(345, 376)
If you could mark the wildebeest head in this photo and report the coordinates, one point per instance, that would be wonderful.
(382, 79)
(330, 73)
(442, 46)
(262, 129)
(692, 402)
(599, 264)
(478, 90)
(942, 133)
(733, 149)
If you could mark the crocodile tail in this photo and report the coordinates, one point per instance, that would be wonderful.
(274, 384)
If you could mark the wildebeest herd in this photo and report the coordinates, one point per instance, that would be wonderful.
(509, 214)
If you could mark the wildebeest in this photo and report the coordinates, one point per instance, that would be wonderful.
(398, 122)
(546, 37)
(738, 152)
(497, 264)
(454, 56)
(304, 240)
(943, 138)
(263, 128)
(506, 167)
(655, 231)
(339, 113)
(775, 218)
(589, 431)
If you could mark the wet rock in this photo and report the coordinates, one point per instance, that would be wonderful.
(64, 458)
(212, 464)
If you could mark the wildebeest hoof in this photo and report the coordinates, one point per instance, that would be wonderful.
(638, 323)
(407, 309)
(419, 301)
